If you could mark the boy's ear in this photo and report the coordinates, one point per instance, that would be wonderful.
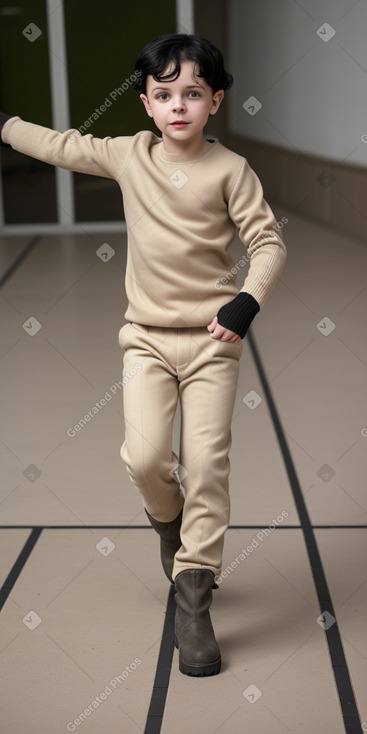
(146, 104)
(217, 98)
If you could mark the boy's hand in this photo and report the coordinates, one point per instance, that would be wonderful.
(219, 332)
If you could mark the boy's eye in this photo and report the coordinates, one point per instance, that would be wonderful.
(163, 96)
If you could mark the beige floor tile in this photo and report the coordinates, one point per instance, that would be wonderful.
(344, 555)
(11, 249)
(97, 620)
(259, 487)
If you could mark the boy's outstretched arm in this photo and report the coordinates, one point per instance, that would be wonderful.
(83, 154)
(259, 232)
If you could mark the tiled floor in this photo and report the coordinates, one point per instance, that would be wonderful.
(83, 610)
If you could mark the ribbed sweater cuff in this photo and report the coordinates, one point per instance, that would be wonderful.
(238, 314)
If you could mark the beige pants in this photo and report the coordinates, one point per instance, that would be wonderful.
(160, 366)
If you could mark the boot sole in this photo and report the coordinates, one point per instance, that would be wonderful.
(198, 670)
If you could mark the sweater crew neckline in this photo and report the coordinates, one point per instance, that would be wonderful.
(181, 158)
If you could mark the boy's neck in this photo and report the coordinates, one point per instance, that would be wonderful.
(191, 147)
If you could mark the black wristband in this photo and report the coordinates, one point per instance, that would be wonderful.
(238, 314)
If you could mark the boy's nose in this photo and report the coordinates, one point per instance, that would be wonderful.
(178, 104)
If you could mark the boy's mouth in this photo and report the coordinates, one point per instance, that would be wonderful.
(179, 123)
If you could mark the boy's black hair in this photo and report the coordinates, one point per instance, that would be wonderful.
(177, 47)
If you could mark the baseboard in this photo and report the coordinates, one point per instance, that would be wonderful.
(328, 191)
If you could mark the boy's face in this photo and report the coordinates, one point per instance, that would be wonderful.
(188, 99)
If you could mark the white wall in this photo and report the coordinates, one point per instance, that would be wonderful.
(313, 93)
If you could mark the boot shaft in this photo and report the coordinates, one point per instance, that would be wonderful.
(199, 653)
(194, 596)
(166, 530)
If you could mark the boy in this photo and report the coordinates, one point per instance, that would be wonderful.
(184, 198)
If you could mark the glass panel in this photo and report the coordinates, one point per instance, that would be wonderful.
(103, 42)
(29, 188)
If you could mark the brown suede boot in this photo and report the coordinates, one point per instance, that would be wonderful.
(199, 653)
(169, 533)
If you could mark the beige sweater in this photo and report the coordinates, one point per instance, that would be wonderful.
(182, 213)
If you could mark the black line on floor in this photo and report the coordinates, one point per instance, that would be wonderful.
(148, 527)
(339, 527)
(18, 261)
(163, 670)
(19, 565)
(297, 527)
(351, 719)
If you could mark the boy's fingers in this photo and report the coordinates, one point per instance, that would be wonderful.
(224, 334)
(218, 332)
(213, 324)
